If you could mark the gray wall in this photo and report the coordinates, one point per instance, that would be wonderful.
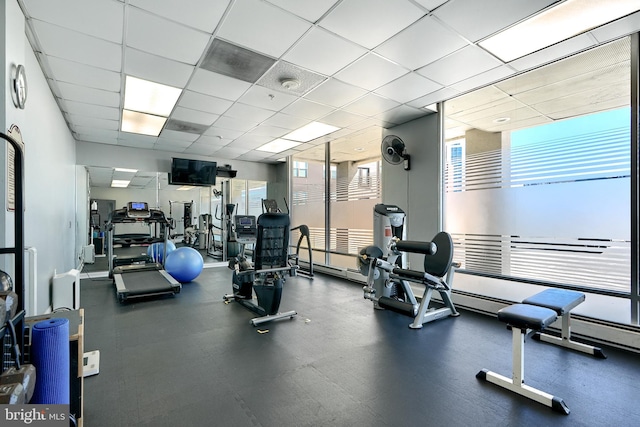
(50, 174)
(416, 191)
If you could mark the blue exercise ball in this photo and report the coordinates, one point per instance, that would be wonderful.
(156, 250)
(184, 264)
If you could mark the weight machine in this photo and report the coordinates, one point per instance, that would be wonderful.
(270, 234)
(389, 284)
(271, 205)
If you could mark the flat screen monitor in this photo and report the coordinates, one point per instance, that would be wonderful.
(192, 172)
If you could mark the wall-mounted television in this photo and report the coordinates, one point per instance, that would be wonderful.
(192, 172)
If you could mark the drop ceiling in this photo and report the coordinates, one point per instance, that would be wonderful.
(362, 65)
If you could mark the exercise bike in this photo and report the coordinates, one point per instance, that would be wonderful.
(389, 285)
(270, 235)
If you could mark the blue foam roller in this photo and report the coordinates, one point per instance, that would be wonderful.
(50, 356)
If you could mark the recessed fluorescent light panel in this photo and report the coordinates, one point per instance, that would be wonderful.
(278, 145)
(120, 183)
(149, 97)
(310, 132)
(126, 170)
(145, 124)
(556, 24)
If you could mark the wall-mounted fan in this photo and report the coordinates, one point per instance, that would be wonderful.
(394, 151)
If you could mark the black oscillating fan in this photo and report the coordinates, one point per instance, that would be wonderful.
(394, 151)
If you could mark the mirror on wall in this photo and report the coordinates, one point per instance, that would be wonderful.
(200, 216)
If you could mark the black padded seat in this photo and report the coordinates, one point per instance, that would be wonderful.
(525, 316)
(560, 300)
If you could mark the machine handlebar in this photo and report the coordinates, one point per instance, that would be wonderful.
(416, 247)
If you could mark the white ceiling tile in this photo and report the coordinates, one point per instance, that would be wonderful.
(307, 109)
(201, 149)
(263, 27)
(198, 101)
(408, 87)
(552, 53)
(177, 136)
(370, 23)
(324, 52)
(361, 73)
(437, 96)
(430, 4)
(231, 153)
(627, 25)
(249, 141)
(201, 14)
(99, 111)
(422, 43)
(170, 145)
(164, 38)
(309, 10)
(262, 97)
(96, 132)
(74, 46)
(97, 139)
(285, 121)
(216, 131)
(335, 93)
(341, 119)
(461, 65)
(194, 116)
(89, 95)
(86, 121)
(136, 137)
(212, 141)
(156, 68)
(483, 79)
(215, 84)
(147, 145)
(233, 123)
(463, 15)
(370, 105)
(101, 19)
(270, 131)
(248, 113)
(84, 75)
(254, 156)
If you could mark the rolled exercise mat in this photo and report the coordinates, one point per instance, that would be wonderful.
(50, 356)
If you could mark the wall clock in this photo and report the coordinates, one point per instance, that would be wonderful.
(19, 87)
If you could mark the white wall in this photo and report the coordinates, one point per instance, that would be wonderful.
(50, 175)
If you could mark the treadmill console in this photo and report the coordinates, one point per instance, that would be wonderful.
(246, 228)
(138, 210)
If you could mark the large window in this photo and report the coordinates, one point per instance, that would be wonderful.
(354, 189)
(537, 176)
(308, 202)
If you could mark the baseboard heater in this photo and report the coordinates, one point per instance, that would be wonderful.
(66, 290)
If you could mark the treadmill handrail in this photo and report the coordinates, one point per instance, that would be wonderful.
(120, 216)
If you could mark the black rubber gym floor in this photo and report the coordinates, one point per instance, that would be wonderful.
(192, 360)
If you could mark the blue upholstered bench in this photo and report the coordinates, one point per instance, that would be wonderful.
(562, 301)
(523, 318)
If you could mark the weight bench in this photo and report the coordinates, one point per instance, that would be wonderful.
(523, 318)
(562, 301)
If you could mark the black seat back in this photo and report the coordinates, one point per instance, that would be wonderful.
(272, 245)
(439, 263)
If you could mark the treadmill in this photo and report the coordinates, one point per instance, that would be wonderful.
(140, 276)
